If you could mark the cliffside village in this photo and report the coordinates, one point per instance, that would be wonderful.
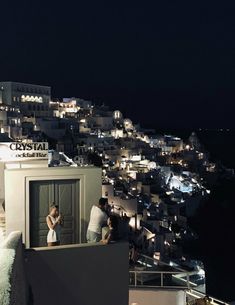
(152, 181)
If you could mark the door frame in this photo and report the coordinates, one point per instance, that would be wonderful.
(79, 212)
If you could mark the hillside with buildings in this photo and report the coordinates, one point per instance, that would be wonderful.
(153, 182)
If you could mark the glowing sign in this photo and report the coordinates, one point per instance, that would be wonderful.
(18, 151)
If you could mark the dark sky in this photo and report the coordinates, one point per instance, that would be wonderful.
(167, 63)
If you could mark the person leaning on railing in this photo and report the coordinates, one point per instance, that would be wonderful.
(98, 217)
(112, 234)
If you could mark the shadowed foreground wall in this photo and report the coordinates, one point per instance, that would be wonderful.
(78, 274)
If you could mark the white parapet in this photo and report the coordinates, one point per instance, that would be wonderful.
(156, 296)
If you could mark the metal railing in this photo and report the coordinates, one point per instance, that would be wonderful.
(152, 264)
(179, 279)
(158, 279)
(154, 261)
(163, 279)
(194, 295)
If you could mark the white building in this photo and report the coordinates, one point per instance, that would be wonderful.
(79, 102)
(37, 186)
(117, 133)
(65, 109)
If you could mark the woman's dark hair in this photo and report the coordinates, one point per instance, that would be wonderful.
(103, 201)
(114, 221)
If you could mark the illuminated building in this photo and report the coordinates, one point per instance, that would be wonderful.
(10, 121)
(64, 110)
(83, 104)
(71, 108)
(117, 133)
(33, 100)
(117, 115)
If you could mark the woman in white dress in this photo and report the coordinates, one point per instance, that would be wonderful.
(54, 223)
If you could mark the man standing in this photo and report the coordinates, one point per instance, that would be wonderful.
(98, 218)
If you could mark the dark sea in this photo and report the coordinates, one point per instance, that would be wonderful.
(215, 220)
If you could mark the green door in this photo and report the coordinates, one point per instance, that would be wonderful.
(65, 193)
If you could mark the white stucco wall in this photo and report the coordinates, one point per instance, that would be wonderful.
(156, 297)
(17, 164)
(13, 290)
(17, 194)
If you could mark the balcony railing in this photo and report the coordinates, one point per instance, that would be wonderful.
(150, 277)
(193, 295)
(158, 273)
(159, 279)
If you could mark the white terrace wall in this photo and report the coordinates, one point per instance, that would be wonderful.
(157, 297)
(13, 287)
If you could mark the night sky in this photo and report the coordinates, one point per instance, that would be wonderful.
(165, 63)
